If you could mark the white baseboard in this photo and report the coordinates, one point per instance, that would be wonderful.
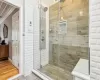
(10, 60)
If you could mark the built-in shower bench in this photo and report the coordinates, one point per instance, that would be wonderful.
(81, 70)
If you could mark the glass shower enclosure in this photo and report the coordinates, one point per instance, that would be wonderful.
(64, 37)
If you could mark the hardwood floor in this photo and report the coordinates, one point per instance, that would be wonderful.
(7, 70)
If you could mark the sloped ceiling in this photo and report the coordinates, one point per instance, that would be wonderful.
(4, 9)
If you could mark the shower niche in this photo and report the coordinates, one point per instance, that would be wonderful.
(63, 27)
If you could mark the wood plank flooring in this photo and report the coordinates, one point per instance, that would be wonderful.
(7, 70)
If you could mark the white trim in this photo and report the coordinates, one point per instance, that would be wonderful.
(41, 75)
(15, 77)
(21, 56)
(10, 60)
(13, 63)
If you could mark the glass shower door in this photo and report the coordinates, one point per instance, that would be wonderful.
(63, 37)
(73, 36)
(49, 39)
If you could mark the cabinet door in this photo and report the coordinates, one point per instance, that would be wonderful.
(4, 51)
(6, 54)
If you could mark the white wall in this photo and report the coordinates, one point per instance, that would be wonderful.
(8, 23)
(95, 39)
(31, 39)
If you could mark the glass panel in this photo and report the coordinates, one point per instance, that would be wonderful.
(73, 37)
(64, 37)
(49, 18)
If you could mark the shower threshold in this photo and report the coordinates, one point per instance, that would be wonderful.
(32, 76)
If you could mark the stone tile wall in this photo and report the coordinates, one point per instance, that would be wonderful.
(66, 57)
(68, 49)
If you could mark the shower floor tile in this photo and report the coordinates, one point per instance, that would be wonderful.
(56, 73)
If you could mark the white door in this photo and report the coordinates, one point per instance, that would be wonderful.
(15, 39)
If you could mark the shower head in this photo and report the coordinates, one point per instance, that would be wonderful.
(45, 9)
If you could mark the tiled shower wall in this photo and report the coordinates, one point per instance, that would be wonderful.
(95, 39)
(68, 48)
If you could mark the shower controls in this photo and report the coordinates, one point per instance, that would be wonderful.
(43, 27)
(42, 39)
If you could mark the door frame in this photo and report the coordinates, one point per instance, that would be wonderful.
(21, 37)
